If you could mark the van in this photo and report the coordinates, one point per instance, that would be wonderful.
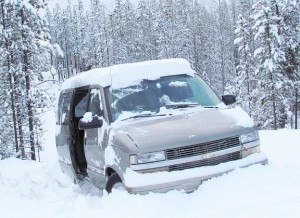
(152, 126)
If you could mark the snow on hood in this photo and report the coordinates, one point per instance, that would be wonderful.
(191, 126)
(240, 116)
(124, 75)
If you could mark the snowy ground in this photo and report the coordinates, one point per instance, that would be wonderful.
(33, 189)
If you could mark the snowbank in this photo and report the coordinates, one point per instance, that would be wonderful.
(33, 189)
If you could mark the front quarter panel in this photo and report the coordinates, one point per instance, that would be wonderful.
(117, 153)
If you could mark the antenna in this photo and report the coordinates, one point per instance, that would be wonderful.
(110, 76)
(112, 94)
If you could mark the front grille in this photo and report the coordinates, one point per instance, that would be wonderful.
(208, 162)
(203, 148)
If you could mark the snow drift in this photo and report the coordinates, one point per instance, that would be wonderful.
(33, 189)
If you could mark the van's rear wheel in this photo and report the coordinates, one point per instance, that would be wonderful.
(114, 182)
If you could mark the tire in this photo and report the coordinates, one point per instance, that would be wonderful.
(114, 182)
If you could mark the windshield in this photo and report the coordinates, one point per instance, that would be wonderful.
(151, 95)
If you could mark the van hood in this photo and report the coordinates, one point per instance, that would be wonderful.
(188, 128)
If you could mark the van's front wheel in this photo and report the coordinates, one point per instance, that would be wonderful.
(114, 182)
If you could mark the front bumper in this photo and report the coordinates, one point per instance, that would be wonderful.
(187, 180)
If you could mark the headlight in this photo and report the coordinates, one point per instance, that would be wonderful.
(249, 137)
(147, 157)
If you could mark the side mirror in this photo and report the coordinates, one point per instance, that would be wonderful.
(228, 99)
(96, 122)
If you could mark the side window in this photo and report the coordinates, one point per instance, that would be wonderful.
(81, 101)
(59, 109)
(95, 103)
(64, 108)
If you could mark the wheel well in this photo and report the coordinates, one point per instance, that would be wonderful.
(109, 172)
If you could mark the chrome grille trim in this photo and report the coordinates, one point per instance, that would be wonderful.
(185, 160)
(167, 163)
(203, 148)
(208, 162)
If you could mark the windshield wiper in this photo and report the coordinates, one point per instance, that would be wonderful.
(181, 105)
(145, 115)
(210, 107)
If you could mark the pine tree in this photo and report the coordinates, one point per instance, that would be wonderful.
(226, 44)
(245, 80)
(55, 23)
(290, 13)
(269, 55)
(167, 29)
(10, 85)
(24, 32)
(147, 37)
(97, 44)
(123, 33)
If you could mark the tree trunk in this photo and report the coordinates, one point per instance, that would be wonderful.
(222, 48)
(28, 98)
(29, 105)
(20, 123)
(274, 111)
(13, 104)
(11, 82)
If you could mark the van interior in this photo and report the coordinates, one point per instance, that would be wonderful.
(79, 109)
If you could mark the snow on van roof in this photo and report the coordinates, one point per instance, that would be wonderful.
(123, 75)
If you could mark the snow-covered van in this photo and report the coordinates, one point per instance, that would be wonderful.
(150, 126)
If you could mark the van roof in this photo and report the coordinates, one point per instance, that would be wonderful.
(123, 75)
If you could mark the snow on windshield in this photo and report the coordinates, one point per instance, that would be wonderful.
(121, 93)
(178, 84)
(170, 91)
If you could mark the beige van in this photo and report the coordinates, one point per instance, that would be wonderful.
(150, 126)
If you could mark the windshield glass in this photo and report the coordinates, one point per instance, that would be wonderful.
(151, 95)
